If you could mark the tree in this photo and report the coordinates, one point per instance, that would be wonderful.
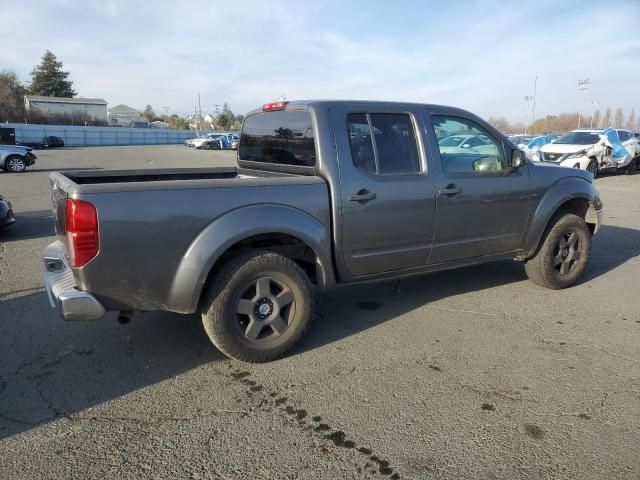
(226, 119)
(49, 79)
(631, 121)
(618, 118)
(606, 119)
(11, 98)
(149, 113)
(595, 119)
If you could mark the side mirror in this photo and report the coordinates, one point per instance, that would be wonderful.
(518, 159)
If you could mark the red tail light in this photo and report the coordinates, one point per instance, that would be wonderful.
(273, 106)
(83, 241)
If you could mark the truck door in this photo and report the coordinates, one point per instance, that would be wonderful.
(482, 203)
(387, 194)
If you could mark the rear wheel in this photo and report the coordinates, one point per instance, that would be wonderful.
(563, 255)
(593, 167)
(258, 306)
(15, 164)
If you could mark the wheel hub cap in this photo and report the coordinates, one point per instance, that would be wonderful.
(565, 252)
(263, 308)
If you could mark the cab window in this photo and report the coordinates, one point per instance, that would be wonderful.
(383, 143)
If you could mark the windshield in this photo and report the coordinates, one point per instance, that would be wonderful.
(578, 138)
(452, 141)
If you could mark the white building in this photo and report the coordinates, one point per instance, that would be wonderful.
(125, 116)
(95, 108)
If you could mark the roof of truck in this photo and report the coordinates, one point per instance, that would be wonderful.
(303, 104)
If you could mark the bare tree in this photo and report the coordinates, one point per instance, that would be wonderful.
(606, 119)
(617, 120)
(631, 121)
(595, 120)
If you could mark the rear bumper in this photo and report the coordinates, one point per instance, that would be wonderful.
(64, 296)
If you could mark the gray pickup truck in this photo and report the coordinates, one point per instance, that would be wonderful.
(326, 193)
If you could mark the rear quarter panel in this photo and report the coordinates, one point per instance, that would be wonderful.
(153, 252)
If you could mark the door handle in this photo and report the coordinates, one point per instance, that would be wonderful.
(363, 196)
(451, 190)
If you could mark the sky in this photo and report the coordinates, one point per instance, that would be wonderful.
(479, 55)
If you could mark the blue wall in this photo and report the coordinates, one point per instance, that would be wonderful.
(97, 136)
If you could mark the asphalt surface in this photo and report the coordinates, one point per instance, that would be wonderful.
(475, 373)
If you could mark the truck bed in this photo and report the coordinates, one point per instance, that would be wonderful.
(149, 219)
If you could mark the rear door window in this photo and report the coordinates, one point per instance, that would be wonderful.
(281, 137)
(383, 143)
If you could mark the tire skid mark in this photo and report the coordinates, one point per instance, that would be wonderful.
(314, 425)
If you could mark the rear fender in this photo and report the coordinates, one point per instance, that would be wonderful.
(224, 232)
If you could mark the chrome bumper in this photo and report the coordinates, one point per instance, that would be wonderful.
(73, 304)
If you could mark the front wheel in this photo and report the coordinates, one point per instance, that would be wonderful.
(563, 255)
(258, 306)
(593, 167)
(15, 165)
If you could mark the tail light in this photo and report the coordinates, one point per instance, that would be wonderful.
(274, 106)
(81, 222)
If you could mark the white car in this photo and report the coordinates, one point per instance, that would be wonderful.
(594, 150)
(200, 141)
(531, 145)
(465, 143)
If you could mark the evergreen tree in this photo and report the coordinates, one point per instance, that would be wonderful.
(149, 113)
(49, 79)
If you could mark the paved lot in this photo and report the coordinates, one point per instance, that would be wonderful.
(475, 373)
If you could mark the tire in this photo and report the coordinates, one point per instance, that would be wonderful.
(593, 167)
(241, 312)
(206, 146)
(566, 246)
(631, 168)
(15, 164)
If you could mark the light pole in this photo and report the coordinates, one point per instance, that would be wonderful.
(532, 99)
(583, 85)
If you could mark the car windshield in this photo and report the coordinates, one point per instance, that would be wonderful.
(578, 138)
(452, 141)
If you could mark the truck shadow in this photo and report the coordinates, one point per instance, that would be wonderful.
(52, 369)
(29, 225)
(350, 310)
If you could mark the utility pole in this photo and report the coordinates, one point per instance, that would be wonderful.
(166, 110)
(583, 85)
(199, 112)
(533, 110)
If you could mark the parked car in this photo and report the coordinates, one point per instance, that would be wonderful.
(326, 193)
(592, 150)
(459, 143)
(46, 142)
(235, 142)
(518, 140)
(533, 145)
(217, 141)
(6, 213)
(16, 158)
